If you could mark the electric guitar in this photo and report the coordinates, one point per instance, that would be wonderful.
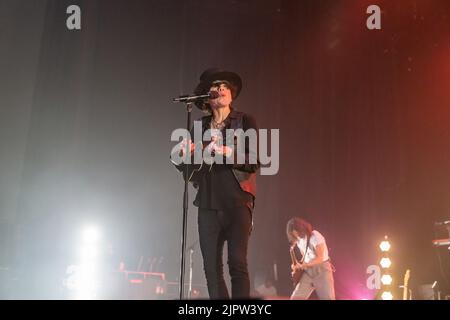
(297, 273)
(405, 285)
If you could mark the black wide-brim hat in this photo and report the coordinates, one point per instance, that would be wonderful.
(215, 74)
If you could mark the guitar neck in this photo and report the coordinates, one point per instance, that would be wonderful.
(405, 284)
(293, 258)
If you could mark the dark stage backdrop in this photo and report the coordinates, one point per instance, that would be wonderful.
(86, 118)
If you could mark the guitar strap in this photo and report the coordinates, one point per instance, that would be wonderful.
(306, 250)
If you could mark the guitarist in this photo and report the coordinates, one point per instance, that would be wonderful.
(315, 266)
(226, 192)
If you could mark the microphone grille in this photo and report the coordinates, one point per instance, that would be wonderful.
(213, 94)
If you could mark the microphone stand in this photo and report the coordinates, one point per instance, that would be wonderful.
(185, 205)
(191, 268)
(188, 100)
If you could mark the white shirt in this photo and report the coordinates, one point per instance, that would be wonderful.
(314, 241)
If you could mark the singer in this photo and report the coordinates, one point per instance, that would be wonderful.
(226, 192)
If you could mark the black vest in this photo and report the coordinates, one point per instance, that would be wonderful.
(247, 180)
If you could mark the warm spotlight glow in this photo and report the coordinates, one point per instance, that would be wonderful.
(387, 295)
(386, 279)
(385, 245)
(385, 263)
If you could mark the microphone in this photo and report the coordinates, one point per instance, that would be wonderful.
(190, 98)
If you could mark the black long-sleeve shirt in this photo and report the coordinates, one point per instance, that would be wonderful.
(218, 188)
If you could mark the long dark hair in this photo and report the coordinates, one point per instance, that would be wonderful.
(300, 225)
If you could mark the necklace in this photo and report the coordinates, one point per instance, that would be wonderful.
(217, 125)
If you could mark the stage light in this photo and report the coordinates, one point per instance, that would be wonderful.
(86, 288)
(89, 253)
(385, 245)
(385, 263)
(91, 235)
(387, 295)
(386, 280)
(88, 273)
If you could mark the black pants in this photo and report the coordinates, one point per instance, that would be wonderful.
(215, 227)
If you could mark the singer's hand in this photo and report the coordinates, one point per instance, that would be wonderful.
(220, 149)
(223, 151)
(183, 146)
(297, 266)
